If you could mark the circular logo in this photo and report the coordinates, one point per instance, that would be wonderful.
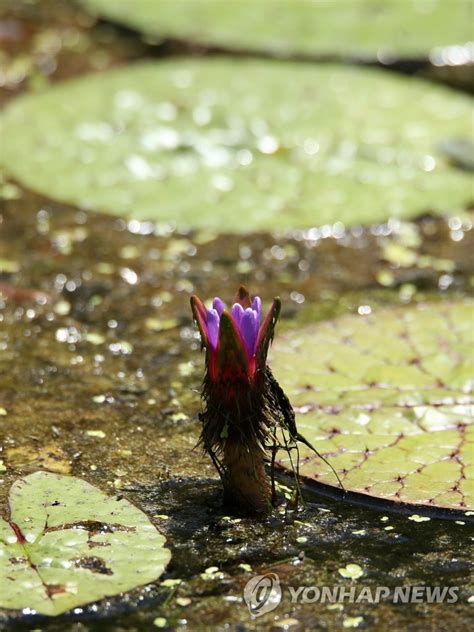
(262, 594)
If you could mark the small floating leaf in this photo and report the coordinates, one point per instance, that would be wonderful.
(417, 518)
(183, 601)
(68, 544)
(95, 338)
(100, 434)
(160, 622)
(169, 583)
(387, 399)
(351, 571)
(352, 622)
(224, 144)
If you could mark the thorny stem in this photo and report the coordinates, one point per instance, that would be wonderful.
(246, 484)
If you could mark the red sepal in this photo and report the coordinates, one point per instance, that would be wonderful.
(200, 316)
(266, 332)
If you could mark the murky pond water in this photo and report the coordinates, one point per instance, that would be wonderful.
(100, 371)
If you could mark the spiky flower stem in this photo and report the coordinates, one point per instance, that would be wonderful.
(236, 421)
(245, 480)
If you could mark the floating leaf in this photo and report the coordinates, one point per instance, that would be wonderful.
(387, 399)
(34, 457)
(351, 571)
(68, 544)
(350, 26)
(241, 145)
(352, 622)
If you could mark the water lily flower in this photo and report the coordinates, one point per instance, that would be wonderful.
(244, 406)
(239, 401)
(236, 339)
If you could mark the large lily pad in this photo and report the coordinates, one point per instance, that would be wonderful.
(241, 145)
(387, 399)
(407, 27)
(67, 544)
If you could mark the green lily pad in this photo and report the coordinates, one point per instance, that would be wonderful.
(407, 27)
(241, 145)
(68, 544)
(387, 399)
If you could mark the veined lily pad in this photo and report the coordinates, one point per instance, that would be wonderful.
(387, 399)
(407, 27)
(241, 145)
(68, 544)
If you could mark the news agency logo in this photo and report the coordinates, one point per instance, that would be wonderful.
(262, 594)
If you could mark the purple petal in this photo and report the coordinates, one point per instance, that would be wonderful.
(237, 313)
(257, 307)
(213, 319)
(249, 330)
(219, 305)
